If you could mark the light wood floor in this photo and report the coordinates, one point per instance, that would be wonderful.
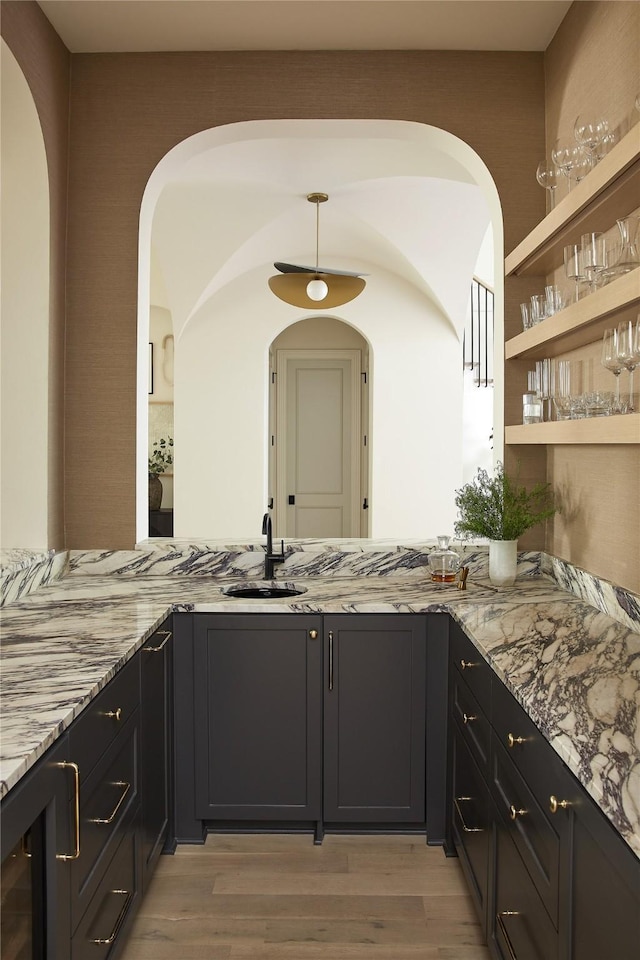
(279, 897)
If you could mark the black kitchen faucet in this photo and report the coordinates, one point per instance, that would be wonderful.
(270, 558)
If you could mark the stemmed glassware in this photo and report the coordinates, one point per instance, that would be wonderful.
(594, 257)
(590, 133)
(568, 158)
(610, 360)
(628, 336)
(547, 177)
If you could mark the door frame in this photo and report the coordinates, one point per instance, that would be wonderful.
(278, 439)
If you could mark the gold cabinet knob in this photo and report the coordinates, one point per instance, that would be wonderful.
(514, 813)
(468, 718)
(116, 714)
(554, 803)
(313, 634)
(511, 740)
(467, 664)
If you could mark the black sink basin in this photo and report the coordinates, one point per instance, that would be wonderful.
(254, 591)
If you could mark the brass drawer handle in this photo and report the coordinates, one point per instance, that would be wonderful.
(167, 636)
(511, 740)
(514, 813)
(121, 916)
(468, 664)
(116, 714)
(110, 819)
(554, 803)
(456, 801)
(503, 929)
(76, 781)
(468, 718)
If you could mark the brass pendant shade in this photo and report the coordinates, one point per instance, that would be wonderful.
(292, 288)
(294, 284)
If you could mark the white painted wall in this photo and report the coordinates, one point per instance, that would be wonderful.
(24, 307)
(221, 411)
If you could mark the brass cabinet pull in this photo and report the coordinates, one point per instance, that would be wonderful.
(76, 782)
(313, 634)
(467, 664)
(110, 819)
(456, 801)
(514, 812)
(121, 916)
(330, 659)
(116, 714)
(499, 916)
(511, 740)
(468, 718)
(167, 636)
(554, 803)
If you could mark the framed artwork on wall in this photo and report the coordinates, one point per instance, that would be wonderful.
(150, 368)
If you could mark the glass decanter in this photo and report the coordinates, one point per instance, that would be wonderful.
(444, 562)
(628, 255)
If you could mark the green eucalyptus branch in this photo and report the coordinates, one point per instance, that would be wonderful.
(498, 509)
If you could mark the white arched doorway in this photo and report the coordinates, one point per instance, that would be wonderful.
(319, 431)
(411, 208)
(24, 309)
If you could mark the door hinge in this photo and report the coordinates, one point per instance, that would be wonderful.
(365, 439)
(364, 376)
(273, 440)
(273, 376)
(365, 504)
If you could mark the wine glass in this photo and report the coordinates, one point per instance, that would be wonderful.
(594, 257)
(573, 267)
(589, 133)
(610, 360)
(566, 155)
(547, 177)
(629, 351)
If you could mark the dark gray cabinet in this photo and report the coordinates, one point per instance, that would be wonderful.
(550, 876)
(302, 718)
(374, 718)
(258, 717)
(38, 843)
(155, 744)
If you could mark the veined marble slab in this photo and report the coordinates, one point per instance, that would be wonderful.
(22, 571)
(574, 669)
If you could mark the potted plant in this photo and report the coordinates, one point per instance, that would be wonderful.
(500, 510)
(160, 458)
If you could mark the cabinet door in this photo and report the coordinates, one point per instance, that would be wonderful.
(258, 717)
(472, 822)
(605, 887)
(155, 688)
(374, 718)
(39, 841)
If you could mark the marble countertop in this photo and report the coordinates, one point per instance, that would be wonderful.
(574, 669)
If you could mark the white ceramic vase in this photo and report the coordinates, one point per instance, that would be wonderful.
(503, 559)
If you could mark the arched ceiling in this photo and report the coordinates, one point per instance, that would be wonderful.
(397, 210)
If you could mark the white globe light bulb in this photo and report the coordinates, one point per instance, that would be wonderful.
(317, 289)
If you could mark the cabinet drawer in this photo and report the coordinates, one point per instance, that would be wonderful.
(473, 723)
(101, 722)
(99, 933)
(528, 750)
(522, 928)
(472, 822)
(108, 798)
(471, 666)
(536, 840)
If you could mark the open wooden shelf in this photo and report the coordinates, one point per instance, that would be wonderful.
(610, 191)
(623, 428)
(580, 323)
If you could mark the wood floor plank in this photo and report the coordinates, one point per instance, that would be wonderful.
(279, 897)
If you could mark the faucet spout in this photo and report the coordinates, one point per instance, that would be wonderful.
(270, 558)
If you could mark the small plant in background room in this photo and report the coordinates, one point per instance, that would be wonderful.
(161, 456)
(500, 510)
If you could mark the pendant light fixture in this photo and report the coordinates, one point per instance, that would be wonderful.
(319, 288)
